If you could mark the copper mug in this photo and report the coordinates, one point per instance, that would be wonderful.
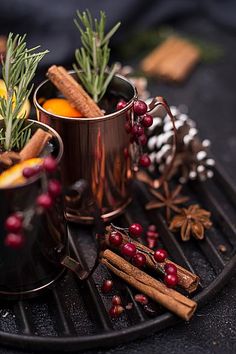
(96, 150)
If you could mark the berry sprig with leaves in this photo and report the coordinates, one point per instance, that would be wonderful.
(18, 70)
(93, 57)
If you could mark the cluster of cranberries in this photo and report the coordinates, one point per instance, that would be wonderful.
(137, 129)
(14, 223)
(116, 308)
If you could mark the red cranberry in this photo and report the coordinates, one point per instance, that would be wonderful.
(13, 223)
(147, 120)
(135, 129)
(142, 139)
(107, 286)
(151, 242)
(139, 259)
(128, 127)
(28, 172)
(45, 201)
(140, 107)
(115, 311)
(144, 160)
(115, 238)
(152, 228)
(152, 234)
(54, 187)
(160, 255)
(135, 230)
(120, 105)
(50, 164)
(141, 298)
(116, 300)
(128, 249)
(170, 268)
(15, 241)
(140, 130)
(171, 280)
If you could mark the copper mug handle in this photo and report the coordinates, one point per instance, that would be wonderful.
(143, 176)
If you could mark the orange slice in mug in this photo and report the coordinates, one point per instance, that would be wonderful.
(61, 107)
(25, 111)
(13, 176)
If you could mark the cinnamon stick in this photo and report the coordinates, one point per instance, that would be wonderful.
(169, 298)
(35, 145)
(186, 279)
(74, 92)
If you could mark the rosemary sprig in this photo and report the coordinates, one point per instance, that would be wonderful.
(18, 70)
(93, 57)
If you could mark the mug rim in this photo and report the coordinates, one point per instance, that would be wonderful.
(58, 158)
(83, 119)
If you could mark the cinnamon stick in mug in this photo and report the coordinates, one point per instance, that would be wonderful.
(35, 145)
(74, 92)
(186, 279)
(157, 291)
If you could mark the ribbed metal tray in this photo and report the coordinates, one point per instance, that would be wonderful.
(74, 316)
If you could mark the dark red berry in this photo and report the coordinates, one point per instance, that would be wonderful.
(14, 241)
(115, 311)
(139, 259)
(152, 234)
(120, 105)
(134, 129)
(151, 242)
(147, 120)
(171, 280)
(152, 228)
(28, 172)
(141, 298)
(140, 107)
(128, 127)
(144, 160)
(107, 286)
(140, 131)
(142, 139)
(160, 255)
(116, 300)
(135, 230)
(115, 238)
(54, 188)
(50, 164)
(45, 201)
(170, 268)
(13, 223)
(128, 249)
(126, 153)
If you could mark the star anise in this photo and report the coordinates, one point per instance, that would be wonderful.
(168, 200)
(192, 221)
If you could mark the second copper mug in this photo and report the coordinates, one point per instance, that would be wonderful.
(96, 150)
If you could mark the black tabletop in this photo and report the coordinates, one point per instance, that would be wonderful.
(210, 95)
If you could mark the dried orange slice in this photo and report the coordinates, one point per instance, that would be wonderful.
(13, 176)
(25, 111)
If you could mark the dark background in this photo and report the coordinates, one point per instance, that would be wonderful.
(210, 94)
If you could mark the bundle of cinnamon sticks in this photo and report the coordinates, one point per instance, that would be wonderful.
(155, 289)
(187, 280)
